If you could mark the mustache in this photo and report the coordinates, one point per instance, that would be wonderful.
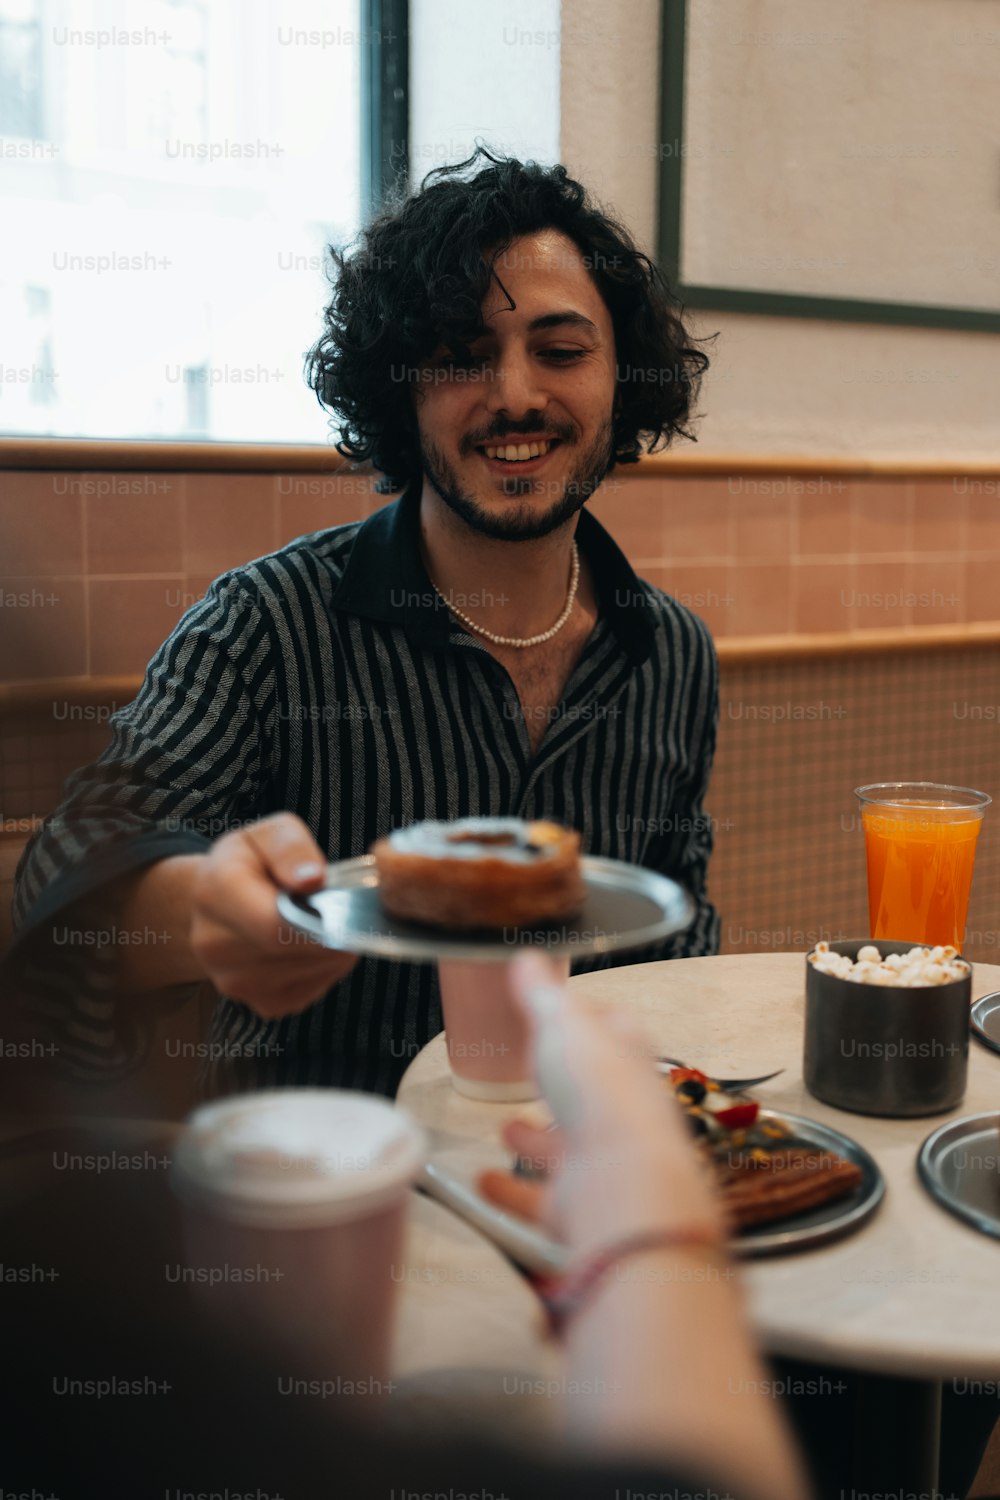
(513, 432)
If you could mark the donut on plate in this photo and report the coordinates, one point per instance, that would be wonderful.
(480, 872)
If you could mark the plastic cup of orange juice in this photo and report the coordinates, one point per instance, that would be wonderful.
(920, 844)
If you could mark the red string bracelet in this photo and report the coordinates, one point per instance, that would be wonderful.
(563, 1296)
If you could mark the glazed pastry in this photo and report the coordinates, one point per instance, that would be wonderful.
(480, 872)
(762, 1172)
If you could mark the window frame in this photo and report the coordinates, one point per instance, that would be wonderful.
(673, 41)
(385, 101)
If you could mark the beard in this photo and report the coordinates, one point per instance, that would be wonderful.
(526, 521)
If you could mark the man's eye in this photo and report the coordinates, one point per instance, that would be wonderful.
(564, 355)
(458, 362)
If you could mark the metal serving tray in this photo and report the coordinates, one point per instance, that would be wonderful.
(959, 1165)
(984, 1018)
(817, 1226)
(829, 1221)
(626, 907)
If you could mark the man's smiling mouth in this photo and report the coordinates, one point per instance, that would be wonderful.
(515, 453)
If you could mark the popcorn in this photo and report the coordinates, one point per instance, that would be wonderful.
(914, 970)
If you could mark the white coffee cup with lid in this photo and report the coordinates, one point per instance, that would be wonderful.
(296, 1206)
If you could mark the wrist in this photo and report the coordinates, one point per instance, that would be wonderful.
(654, 1193)
(634, 1257)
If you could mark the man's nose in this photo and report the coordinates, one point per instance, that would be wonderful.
(515, 384)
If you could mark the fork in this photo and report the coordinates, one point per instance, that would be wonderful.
(727, 1085)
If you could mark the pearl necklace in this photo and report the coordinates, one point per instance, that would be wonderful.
(531, 640)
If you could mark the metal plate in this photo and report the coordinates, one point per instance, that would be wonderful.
(984, 1018)
(959, 1165)
(828, 1221)
(626, 907)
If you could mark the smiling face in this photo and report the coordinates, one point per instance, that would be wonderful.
(515, 440)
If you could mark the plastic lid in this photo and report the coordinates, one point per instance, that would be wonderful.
(297, 1158)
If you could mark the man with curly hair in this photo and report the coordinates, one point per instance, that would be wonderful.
(479, 646)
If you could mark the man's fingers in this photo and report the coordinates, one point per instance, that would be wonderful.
(269, 1000)
(288, 851)
(239, 882)
(248, 952)
(279, 986)
(233, 895)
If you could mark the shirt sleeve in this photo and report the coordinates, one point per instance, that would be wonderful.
(186, 762)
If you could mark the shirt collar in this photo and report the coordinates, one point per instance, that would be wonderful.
(385, 579)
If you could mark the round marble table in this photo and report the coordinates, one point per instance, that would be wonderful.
(468, 1342)
(909, 1300)
(912, 1292)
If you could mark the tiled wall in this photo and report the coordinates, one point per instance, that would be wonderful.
(788, 867)
(95, 569)
(779, 554)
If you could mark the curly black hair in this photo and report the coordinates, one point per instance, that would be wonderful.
(419, 279)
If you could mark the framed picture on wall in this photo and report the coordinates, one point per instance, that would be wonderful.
(833, 161)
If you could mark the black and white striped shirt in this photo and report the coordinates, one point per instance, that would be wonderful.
(328, 679)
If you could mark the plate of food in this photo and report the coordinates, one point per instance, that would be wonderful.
(477, 889)
(788, 1182)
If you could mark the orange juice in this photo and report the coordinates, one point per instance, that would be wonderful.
(920, 857)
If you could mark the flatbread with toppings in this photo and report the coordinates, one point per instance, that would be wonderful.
(763, 1174)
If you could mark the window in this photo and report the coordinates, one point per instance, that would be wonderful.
(174, 172)
(20, 69)
(486, 72)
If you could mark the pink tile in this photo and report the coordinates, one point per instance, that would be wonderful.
(883, 515)
(761, 598)
(316, 502)
(981, 589)
(130, 618)
(194, 588)
(824, 597)
(228, 519)
(983, 513)
(697, 518)
(940, 514)
(881, 596)
(41, 524)
(43, 630)
(937, 590)
(705, 589)
(762, 518)
(634, 513)
(825, 516)
(133, 523)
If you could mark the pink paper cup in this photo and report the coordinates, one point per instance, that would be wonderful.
(295, 1215)
(486, 1035)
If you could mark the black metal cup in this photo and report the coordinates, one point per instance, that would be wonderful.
(882, 1051)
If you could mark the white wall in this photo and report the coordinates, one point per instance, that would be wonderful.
(778, 384)
(487, 70)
